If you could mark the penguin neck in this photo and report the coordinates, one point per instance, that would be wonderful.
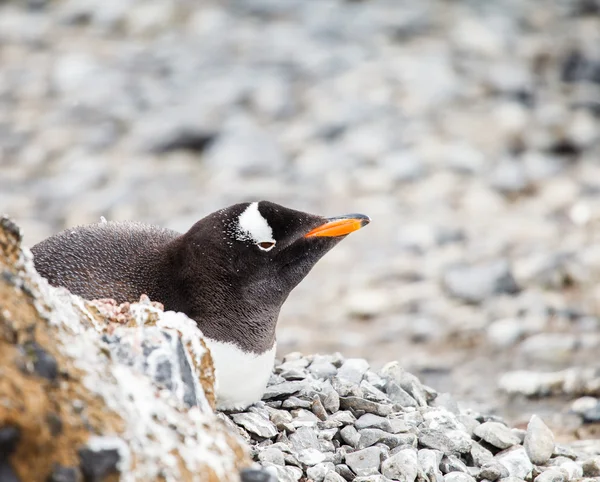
(211, 300)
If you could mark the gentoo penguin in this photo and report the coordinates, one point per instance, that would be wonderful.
(231, 272)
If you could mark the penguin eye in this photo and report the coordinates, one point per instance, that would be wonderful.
(266, 245)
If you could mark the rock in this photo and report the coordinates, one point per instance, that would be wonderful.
(256, 475)
(368, 420)
(9, 438)
(65, 474)
(350, 435)
(353, 370)
(283, 389)
(539, 441)
(304, 438)
(98, 464)
(322, 369)
(450, 442)
(429, 463)
(398, 395)
(255, 424)
(371, 436)
(365, 462)
(44, 364)
(333, 477)
(358, 404)
(271, 455)
(311, 457)
(551, 475)
(401, 466)
(474, 284)
(516, 462)
(111, 422)
(493, 470)
(497, 434)
(458, 477)
(591, 467)
(329, 397)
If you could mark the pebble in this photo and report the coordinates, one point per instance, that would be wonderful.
(255, 424)
(516, 462)
(403, 465)
(365, 462)
(474, 284)
(496, 434)
(539, 441)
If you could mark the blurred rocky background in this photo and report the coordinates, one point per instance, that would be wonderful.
(469, 131)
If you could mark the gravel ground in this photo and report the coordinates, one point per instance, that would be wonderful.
(469, 131)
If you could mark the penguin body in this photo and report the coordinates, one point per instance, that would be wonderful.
(231, 273)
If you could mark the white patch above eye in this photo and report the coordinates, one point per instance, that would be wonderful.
(252, 226)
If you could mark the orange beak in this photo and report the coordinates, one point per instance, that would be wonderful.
(340, 226)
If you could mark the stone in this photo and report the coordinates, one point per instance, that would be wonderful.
(400, 396)
(516, 461)
(357, 404)
(429, 463)
(539, 441)
(480, 454)
(368, 420)
(304, 438)
(458, 477)
(322, 369)
(255, 424)
(65, 474)
(401, 466)
(256, 475)
(591, 467)
(271, 455)
(318, 472)
(98, 464)
(474, 284)
(450, 442)
(44, 364)
(283, 389)
(311, 457)
(496, 434)
(329, 397)
(493, 470)
(9, 438)
(350, 435)
(552, 475)
(451, 463)
(333, 476)
(371, 436)
(364, 462)
(573, 470)
(353, 370)
(344, 471)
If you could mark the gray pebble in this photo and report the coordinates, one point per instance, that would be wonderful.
(322, 369)
(552, 475)
(272, 456)
(458, 477)
(516, 461)
(368, 420)
(474, 284)
(353, 370)
(256, 424)
(539, 441)
(304, 438)
(329, 397)
(451, 442)
(401, 466)
(497, 434)
(333, 476)
(356, 403)
(285, 388)
(345, 471)
(429, 463)
(493, 470)
(365, 462)
(371, 436)
(350, 435)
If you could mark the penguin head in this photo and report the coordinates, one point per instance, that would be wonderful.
(261, 250)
